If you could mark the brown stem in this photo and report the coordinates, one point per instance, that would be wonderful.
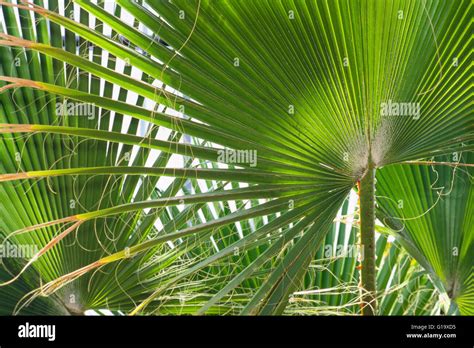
(367, 230)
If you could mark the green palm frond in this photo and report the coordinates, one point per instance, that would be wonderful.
(434, 225)
(143, 206)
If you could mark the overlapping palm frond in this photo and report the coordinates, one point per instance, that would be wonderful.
(436, 226)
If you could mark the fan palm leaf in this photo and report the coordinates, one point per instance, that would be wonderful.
(298, 89)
